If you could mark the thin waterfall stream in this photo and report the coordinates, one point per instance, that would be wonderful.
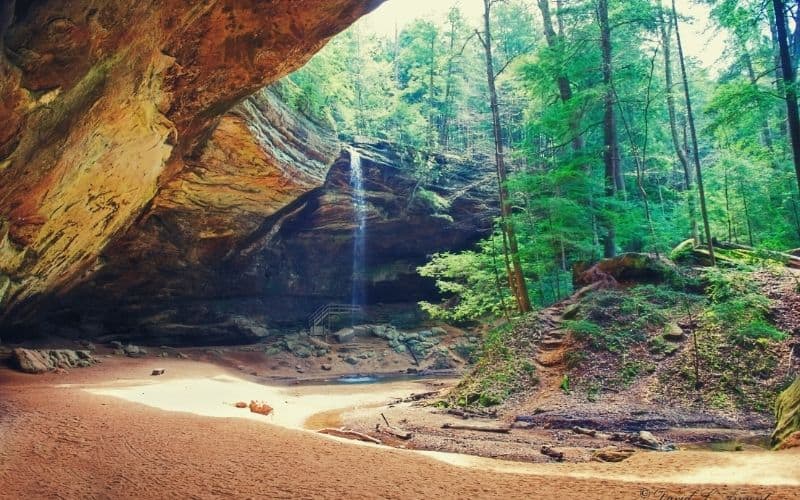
(360, 230)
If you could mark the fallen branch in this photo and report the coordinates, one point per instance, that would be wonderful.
(343, 433)
(393, 431)
(465, 427)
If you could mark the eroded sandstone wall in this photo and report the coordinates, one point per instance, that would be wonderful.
(106, 110)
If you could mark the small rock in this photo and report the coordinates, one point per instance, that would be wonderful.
(351, 360)
(326, 367)
(612, 454)
(181, 355)
(158, 371)
(87, 345)
(116, 344)
(241, 404)
(571, 311)
(438, 331)
(260, 408)
(673, 333)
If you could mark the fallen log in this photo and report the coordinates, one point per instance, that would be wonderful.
(479, 428)
(550, 452)
(347, 434)
(421, 395)
(584, 431)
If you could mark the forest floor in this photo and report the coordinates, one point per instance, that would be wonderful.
(112, 431)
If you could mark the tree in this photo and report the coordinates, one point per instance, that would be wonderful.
(516, 277)
(789, 77)
(693, 131)
(613, 175)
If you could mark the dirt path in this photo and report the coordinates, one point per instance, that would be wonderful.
(60, 441)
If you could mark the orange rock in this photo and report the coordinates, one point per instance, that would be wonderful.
(241, 404)
(260, 407)
(793, 441)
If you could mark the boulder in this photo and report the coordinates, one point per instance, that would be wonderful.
(344, 335)
(646, 439)
(438, 331)
(571, 311)
(787, 414)
(134, 351)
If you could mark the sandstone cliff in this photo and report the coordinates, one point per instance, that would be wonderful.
(107, 108)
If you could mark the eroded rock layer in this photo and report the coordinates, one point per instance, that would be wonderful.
(106, 109)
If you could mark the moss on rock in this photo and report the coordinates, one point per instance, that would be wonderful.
(787, 413)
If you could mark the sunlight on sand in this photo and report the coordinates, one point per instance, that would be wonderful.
(216, 396)
(293, 406)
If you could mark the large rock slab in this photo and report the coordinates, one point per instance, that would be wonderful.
(45, 360)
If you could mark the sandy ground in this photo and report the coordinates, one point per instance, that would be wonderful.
(113, 432)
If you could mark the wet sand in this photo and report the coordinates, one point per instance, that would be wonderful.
(113, 432)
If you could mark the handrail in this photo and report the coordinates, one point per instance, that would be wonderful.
(324, 312)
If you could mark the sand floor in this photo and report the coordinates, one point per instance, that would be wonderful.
(113, 432)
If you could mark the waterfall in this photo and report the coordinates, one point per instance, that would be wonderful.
(360, 230)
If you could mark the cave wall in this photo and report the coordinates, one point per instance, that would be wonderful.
(107, 108)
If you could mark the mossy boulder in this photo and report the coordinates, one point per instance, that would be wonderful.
(787, 413)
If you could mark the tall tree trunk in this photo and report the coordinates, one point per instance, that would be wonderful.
(612, 175)
(519, 287)
(666, 42)
(776, 55)
(789, 84)
(693, 132)
(431, 94)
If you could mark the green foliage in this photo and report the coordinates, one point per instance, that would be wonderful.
(501, 371)
(738, 307)
(564, 386)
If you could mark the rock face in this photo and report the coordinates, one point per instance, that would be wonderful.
(107, 110)
(787, 415)
(259, 232)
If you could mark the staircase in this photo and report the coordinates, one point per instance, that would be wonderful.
(319, 323)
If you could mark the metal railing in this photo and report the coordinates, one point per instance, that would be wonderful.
(319, 323)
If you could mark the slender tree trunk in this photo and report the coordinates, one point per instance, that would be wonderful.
(746, 213)
(727, 203)
(766, 133)
(611, 146)
(519, 287)
(666, 42)
(693, 132)
(640, 155)
(431, 94)
(789, 84)
(444, 132)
